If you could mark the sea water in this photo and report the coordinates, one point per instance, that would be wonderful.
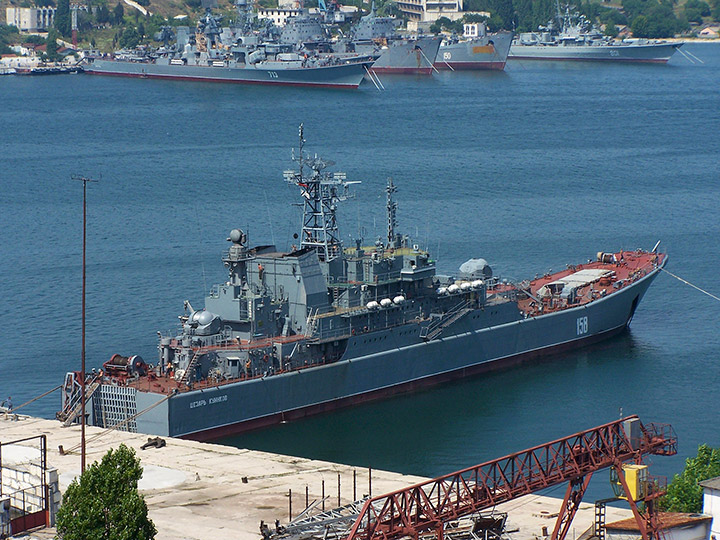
(533, 168)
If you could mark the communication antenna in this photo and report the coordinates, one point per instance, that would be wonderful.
(84, 180)
(321, 191)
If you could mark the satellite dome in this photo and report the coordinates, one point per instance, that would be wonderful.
(476, 268)
(204, 323)
(237, 236)
(204, 317)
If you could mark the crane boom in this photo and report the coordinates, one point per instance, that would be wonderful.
(428, 505)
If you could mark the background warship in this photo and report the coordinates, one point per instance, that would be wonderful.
(322, 326)
(377, 36)
(572, 37)
(244, 53)
(476, 49)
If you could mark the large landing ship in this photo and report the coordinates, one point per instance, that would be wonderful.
(293, 333)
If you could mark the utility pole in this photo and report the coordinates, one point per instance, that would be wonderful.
(85, 181)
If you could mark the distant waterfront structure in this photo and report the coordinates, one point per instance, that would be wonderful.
(287, 9)
(431, 10)
(30, 19)
(278, 16)
(710, 32)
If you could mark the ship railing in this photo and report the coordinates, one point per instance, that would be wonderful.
(434, 328)
(377, 278)
(351, 330)
(73, 405)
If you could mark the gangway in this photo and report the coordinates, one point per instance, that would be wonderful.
(427, 507)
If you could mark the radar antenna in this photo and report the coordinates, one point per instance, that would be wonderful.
(321, 191)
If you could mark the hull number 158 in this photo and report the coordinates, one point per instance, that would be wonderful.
(582, 326)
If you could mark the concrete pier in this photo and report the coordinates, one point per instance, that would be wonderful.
(199, 490)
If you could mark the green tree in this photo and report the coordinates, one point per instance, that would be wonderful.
(63, 23)
(703, 7)
(684, 493)
(640, 26)
(611, 30)
(693, 15)
(8, 35)
(129, 38)
(36, 39)
(439, 24)
(118, 14)
(104, 504)
(51, 46)
(103, 15)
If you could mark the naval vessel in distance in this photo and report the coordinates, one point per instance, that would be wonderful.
(570, 36)
(323, 326)
(475, 49)
(244, 54)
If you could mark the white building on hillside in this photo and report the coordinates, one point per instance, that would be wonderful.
(30, 19)
(431, 10)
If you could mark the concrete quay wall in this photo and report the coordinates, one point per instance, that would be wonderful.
(201, 490)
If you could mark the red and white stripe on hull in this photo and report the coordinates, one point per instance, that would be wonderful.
(575, 59)
(220, 80)
(499, 66)
(402, 70)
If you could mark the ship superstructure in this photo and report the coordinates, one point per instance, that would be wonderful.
(292, 333)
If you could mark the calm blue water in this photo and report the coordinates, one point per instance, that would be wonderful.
(533, 168)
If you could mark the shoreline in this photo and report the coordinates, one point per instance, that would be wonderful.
(198, 490)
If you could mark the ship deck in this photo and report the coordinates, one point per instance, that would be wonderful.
(591, 281)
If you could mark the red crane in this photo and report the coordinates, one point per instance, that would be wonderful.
(427, 506)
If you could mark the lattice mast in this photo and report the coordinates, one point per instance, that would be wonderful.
(321, 192)
(391, 213)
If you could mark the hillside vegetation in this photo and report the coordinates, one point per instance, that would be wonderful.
(112, 24)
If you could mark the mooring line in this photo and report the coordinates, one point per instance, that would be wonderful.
(688, 283)
(428, 60)
(36, 398)
(119, 424)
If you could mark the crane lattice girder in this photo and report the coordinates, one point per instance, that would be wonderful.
(426, 506)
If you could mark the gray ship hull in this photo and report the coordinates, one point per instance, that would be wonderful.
(488, 52)
(331, 76)
(658, 53)
(376, 365)
(408, 56)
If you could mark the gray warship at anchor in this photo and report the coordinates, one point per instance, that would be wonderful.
(244, 53)
(322, 326)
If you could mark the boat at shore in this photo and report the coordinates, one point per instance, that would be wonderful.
(322, 326)
(476, 49)
(572, 37)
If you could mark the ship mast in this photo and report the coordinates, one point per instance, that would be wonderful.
(391, 213)
(321, 191)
